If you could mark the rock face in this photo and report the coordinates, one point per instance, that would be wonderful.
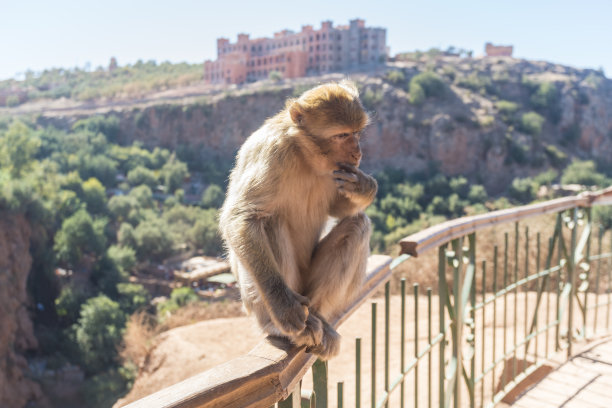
(16, 334)
(462, 130)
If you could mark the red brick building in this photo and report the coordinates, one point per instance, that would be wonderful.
(498, 50)
(293, 55)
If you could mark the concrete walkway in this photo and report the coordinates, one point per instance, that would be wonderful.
(584, 381)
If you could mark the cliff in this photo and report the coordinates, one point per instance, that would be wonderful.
(473, 124)
(17, 334)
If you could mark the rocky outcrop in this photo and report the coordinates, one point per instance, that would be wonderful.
(16, 334)
(462, 131)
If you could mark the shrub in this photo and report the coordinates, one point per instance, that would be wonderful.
(98, 332)
(142, 175)
(523, 190)
(213, 197)
(507, 110)
(396, 77)
(531, 123)
(557, 157)
(132, 297)
(275, 76)
(584, 173)
(431, 84)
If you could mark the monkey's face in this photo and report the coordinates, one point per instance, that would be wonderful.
(341, 145)
(332, 118)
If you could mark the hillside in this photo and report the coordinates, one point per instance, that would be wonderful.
(490, 119)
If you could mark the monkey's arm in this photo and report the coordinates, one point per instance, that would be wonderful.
(356, 191)
(247, 234)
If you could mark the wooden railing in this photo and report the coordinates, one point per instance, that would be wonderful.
(270, 373)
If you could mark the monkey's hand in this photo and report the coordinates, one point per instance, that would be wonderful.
(290, 312)
(354, 184)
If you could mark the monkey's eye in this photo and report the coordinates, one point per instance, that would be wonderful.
(342, 135)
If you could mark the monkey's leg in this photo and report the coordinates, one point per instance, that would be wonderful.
(336, 275)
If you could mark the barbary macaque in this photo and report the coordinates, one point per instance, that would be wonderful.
(293, 175)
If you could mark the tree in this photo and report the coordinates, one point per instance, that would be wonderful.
(141, 175)
(79, 235)
(143, 196)
(213, 197)
(532, 123)
(94, 195)
(124, 257)
(173, 173)
(18, 147)
(132, 297)
(204, 234)
(152, 240)
(584, 173)
(98, 332)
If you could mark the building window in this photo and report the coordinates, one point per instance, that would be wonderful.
(311, 38)
(317, 37)
(324, 35)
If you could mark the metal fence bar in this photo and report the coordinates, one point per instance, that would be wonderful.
(416, 344)
(402, 337)
(387, 306)
(358, 372)
(373, 374)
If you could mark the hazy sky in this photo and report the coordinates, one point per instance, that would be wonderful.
(39, 34)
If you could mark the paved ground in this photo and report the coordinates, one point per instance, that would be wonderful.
(584, 381)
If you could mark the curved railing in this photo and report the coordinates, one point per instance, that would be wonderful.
(471, 353)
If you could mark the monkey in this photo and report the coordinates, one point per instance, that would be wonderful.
(293, 175)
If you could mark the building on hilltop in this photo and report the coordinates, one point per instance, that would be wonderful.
(294, 55)
(498, 50)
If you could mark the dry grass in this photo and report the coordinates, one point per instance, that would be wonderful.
(200, 311)
(143, 329)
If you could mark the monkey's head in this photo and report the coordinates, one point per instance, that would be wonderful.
(330, 119)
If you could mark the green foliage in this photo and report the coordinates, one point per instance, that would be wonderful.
(68, 304)
(477, 194)
(132, 297)
(571, 134)
(557, 157)
(178, 298)
(152, 240)
(18, 146)
(275, 76)
(124, 257)
(507, 110)
(123, 81)
(98, 332)
(79, 235)
(125, 235)
(431, 84)
(121, 207)
(173, 173)
(142, 175)
(584, 173)
(94, 196)
(143, 196)
(396, 77)
(107, 125)
(213, 197)
(602, 214)
(204, 235)
(476, 82)
(523, 190)
(546, 99)
(104, 389)
(531, 123)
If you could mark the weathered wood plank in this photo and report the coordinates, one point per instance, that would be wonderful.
(437, 235)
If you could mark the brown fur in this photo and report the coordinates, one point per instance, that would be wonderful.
(291, 175)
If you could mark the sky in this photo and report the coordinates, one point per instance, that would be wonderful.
(40, 34)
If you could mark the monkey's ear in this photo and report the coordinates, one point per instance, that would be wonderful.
(297, 112)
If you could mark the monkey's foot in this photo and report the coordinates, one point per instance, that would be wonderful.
(329, 346)
(312, 334)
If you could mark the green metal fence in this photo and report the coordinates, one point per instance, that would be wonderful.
(503, 306)
(484, 343)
